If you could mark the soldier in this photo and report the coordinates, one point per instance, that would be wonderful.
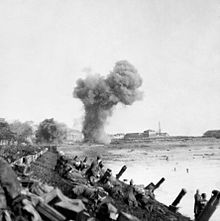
(105, 178)
(130, 198)
(60, 161)
(77, 162)
(202, 203)
(197, 198)
(83, 164)
(93, 170)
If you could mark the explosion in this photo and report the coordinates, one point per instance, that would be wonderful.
(99, 95)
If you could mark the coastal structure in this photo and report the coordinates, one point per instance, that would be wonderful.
(117, 136)
(212, 133)
(130, 136)
(147, 134)
(74, 136)
(160, 133)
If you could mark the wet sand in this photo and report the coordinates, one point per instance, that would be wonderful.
(149, 161)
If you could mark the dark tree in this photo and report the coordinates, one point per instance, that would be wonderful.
(23, 131)
(5, 132)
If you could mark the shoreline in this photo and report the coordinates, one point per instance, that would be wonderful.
(43, 170)
(200, 157)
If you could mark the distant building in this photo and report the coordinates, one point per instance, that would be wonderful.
(132, 136)
(212, 133)
(149, 133)
(74, 136)
(153, 133)
(141, 136)
(160, 133)
(117, 136)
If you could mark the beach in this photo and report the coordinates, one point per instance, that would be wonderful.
(186, 163)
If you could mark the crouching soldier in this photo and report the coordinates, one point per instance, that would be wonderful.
(202, 203)
(76, 163)
(60, 163)
(105, 177)
(130, 198)
(93, 171)
(94, 195)
(83, 164)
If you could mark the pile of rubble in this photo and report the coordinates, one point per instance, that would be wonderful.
(38, 185)
(23, 198)
(49, 186)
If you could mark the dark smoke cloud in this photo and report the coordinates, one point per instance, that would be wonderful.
(99, 95)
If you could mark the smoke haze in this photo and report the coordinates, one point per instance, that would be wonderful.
(99, 95)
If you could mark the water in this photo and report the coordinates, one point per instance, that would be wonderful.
(169, 159)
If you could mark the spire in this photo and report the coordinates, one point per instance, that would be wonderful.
(159, 131)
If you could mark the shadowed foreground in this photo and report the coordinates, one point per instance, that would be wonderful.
(152, 210)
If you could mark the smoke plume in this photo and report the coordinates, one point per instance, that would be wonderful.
(99, 95)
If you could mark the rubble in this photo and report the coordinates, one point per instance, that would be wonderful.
(48, 186)
(173, 207)
(121, 172)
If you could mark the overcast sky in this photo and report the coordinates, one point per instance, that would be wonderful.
(46, 45)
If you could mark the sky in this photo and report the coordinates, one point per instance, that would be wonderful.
(45, 46)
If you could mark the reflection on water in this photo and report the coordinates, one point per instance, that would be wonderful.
(192, 165)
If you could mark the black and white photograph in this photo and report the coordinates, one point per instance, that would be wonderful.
(109, 110)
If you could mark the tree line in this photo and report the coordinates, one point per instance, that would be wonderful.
(48, 131)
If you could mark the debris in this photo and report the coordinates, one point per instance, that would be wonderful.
(126, 217)
(159, 183)
(49, 213)
(9, 181)
(104, 179)
(173, 207)
(121, 172)
(107, 211)
(3, 203)
(56, 190)
(71, 210)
